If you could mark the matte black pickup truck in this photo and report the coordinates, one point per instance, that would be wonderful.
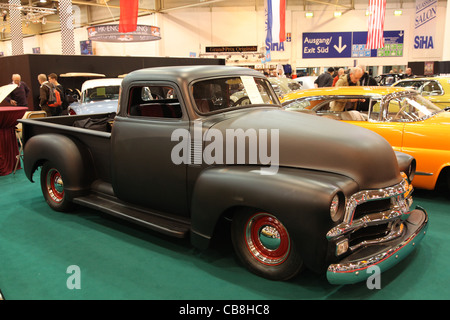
(191, 148)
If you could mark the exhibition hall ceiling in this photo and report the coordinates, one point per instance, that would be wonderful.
(41, 16)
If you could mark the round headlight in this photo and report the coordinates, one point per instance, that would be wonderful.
(335, 213)
(411, 170)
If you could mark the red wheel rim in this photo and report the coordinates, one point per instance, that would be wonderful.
(267, 239)
(55, 186)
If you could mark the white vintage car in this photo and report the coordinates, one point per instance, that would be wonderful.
(97, 96)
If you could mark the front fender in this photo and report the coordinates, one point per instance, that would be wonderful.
(406, 164)
(70, 157)
(299, 198)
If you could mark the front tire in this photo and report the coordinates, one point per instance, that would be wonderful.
(52, 185)
(264, 246)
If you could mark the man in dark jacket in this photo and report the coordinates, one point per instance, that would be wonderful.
(53, 79)
(366, 79)
(325, 79)
(44, 94)
(18, 97)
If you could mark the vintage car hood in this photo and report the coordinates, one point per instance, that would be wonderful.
(103, 106)
(6, 90)
(315, 143)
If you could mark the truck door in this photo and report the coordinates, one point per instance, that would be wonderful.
(142, 169)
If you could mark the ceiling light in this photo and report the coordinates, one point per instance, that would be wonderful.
(398, 12)
(337, 14)
(309, 14)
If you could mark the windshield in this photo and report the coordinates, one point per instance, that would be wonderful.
(390, 108)
(223, 94)
(411, 107)
(101, 93)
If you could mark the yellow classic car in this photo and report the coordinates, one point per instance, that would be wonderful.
(408, 121)
(435, 89)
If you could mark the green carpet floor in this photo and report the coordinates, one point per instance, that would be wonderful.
(117, 260)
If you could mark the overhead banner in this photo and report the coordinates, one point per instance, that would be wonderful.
(425, 23)
(275, 11)
(128, 15)
(377, 10)
(111, 33)
(350, 45)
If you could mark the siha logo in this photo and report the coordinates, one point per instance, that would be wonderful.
(421, 42)
(218, 152)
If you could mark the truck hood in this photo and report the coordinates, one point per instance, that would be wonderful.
(309, 142)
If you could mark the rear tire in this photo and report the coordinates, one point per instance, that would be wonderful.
(264, 246)
(52, 185)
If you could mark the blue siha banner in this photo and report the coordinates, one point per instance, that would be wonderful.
(425, 22)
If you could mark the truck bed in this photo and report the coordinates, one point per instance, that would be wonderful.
(98, 142)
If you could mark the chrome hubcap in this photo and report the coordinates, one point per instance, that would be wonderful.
(267, 239)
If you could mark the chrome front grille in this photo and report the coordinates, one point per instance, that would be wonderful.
(369, 208)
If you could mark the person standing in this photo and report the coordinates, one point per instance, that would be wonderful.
(350, 79)
(408, 73)
(325, 79)
(340, 72)
(53, 79)
(18, 97)
(366, 79)
(44, 94)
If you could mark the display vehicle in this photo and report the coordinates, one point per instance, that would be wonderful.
(435, 89)
(183, 158)
(408, 121)
(388, 79)
(283, 85)
(97, 96)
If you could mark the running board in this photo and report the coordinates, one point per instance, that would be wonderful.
(148, 219)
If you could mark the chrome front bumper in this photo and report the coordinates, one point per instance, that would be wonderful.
(385, 255)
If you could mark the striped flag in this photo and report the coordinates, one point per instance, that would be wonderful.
(276, 21)
(128, 15)
(377, 12)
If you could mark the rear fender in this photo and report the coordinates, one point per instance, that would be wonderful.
(70, 157)
(299, 198)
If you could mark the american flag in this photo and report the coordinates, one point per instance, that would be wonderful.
(377, 12)
(276, 21)
(128, 15)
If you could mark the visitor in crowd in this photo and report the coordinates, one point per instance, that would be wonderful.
(18, 97)
(366, 79)
(340, 73)
(53, 79)
(409, 73)
(350, 79)
(44, 94)
(325, 79)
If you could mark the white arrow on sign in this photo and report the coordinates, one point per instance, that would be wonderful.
(340, 48)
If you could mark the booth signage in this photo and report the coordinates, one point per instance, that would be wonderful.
(393, 45)
(327, 45)
(237, 49)
(110, 33)
(425, 26)
(349, 45)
